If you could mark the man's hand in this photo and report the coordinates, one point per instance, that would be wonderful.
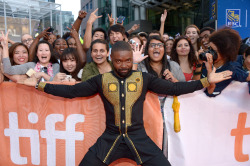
(29, 82)
(82, 14)
(218, 77)
(93, 16)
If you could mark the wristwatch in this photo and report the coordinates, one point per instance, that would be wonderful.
(199, 65)
(37, 85)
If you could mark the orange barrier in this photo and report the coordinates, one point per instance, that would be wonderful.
(41, 129)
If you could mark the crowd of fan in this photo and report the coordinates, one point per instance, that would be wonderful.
(190, 56)
(186, 57)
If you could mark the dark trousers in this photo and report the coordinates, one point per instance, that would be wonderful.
(91, 159)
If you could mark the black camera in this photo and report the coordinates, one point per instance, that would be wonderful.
(203, 57)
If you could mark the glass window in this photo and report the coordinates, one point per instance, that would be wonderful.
(87, 7)
(90, 4)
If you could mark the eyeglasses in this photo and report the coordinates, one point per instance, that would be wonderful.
(28, 40)
(153, 45)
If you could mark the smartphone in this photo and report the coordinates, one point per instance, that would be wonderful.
(120, 19)
(50, 29)
(68, 77)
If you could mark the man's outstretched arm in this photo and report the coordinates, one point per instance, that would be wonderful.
(82, 89)
(162, 86)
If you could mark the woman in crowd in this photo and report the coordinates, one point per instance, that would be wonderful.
(45, 64)
(244, 60)
(99, 53)
(69, 67)
(59, 46)
(71, 41)
(18, 54)
(183, 53)
(158, 65)
(193, 32)
(135, 41)
(52, 38)
(169, 44)
(224, 44)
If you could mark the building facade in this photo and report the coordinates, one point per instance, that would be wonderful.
(32, 16)
(147, 13)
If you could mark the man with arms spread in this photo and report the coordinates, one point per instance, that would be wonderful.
(123, 93)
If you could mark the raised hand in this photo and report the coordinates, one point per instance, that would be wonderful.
(137, 54)
(209, 62)
(4, 39)
(82, 14)
(135, 27)
(93, 16)
(218, 77)
(44, 34)
(117, 22)
(73, 32)
(164, 16)
(111, 20)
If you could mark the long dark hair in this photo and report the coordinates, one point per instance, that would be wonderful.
(165, 63)
(70, 53)
(191, 56)
(52, 58)
(13, 48)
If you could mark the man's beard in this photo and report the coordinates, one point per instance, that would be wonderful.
(122, 74)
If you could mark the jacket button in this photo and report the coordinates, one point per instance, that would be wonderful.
(123, 135)
(122, 95)
(123, 121)
(123, 108)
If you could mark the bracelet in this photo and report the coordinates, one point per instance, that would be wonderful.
(205, 83)
(135, 63)
(79, 18)
(197, 73)
(198, 65)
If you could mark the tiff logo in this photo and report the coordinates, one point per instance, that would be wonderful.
(50, 134)
(239, 133)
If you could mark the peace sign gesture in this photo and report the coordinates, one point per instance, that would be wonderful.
(93, 16)
(111, 20)
(4, 39)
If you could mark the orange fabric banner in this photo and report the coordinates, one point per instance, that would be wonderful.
(40, 129)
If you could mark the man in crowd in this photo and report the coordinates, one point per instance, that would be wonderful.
(204, 37)
(27, 40)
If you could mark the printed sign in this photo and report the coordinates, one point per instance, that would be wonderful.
(214, 131)
(40, 129)
(233, 18)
